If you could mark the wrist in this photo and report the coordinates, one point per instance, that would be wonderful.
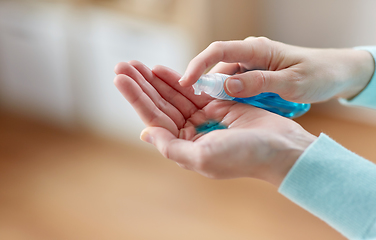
(294, 147)
(362, 67)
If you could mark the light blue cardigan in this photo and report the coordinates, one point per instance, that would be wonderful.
(335, 184)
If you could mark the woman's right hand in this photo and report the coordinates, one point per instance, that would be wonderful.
(295, 73)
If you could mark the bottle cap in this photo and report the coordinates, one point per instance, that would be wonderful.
(212, 84)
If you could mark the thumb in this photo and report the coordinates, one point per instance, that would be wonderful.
(159, 137)
(178, 150)
(251, 83)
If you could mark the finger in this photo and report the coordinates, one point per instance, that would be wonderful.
(118, 67)
(254, 53)
(121, 68)
(183, 166)
(171, 147)
(129, 70)
(168, 93)
(226, 68)
(143, 76)
(188, 132)
(255, 82)
(171, 78)
(144, 106)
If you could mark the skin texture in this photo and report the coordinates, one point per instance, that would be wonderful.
(257, 143)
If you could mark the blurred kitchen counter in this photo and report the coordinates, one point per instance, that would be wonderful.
(58, 184)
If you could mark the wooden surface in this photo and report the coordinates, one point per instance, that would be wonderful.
(62, 185)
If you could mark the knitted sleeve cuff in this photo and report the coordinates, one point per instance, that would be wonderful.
(336, 185)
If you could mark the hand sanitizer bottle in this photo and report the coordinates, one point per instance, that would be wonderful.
(212, 84)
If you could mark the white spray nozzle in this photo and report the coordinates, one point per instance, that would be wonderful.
(197, 89)
(212, 84)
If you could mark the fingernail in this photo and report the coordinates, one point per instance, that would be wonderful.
(181, 79)
(146, 137)
(234, 85)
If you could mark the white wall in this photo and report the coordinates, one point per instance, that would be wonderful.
(56, 63)
(320, 23)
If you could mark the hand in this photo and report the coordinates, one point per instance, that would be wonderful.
(257, 143)
(295, 73)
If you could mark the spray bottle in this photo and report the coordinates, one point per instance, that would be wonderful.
(212, 84)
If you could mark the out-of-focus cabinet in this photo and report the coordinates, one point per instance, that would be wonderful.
(205, 20)
(57, 56)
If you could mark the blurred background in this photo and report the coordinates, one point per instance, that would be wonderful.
(71, 162)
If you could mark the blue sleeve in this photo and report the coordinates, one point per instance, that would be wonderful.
(337, 186)
(367, 97)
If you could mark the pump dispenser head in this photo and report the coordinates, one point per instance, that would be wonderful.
(212, 84)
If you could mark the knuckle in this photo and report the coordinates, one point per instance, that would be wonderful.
(263, 40)
(259, 81)
(249, 38)
(217, 45)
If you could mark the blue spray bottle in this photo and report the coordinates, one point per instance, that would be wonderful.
(212, 84)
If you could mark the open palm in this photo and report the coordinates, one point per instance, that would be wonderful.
(252, 139)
